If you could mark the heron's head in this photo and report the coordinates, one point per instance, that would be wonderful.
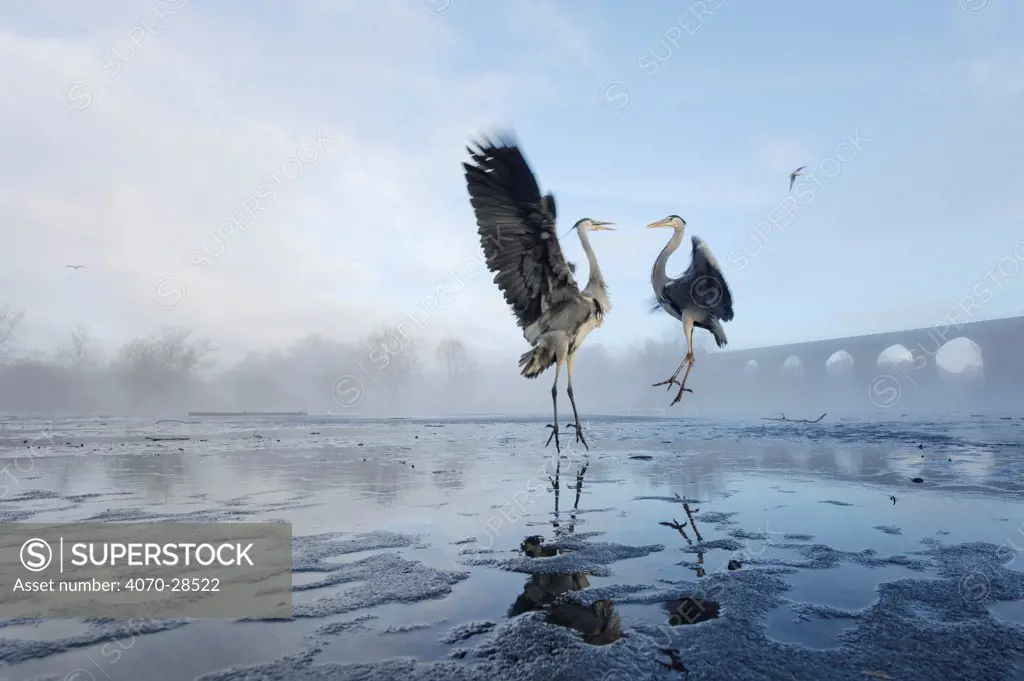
(673, 221)
(591, 225)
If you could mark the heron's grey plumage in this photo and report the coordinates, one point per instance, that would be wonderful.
(517, 228)
(700, 297)
(701, 292)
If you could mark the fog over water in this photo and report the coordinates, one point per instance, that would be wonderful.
(396, 372)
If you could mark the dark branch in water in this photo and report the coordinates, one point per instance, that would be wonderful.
(678, 528)
(783, 418)
(689, 514)
(175, 421)
(165, 439)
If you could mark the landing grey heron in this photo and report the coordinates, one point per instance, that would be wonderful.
(517, 232)
(700, 297)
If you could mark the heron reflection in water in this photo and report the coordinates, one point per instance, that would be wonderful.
(598, 622)
(541, 590)
(555, 484)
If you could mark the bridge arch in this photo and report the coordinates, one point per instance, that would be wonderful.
(895, 356)
(839, 363)
(793, 366)
(960, 358)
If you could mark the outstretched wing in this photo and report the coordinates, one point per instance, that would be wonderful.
(517, 231)
(702, 285)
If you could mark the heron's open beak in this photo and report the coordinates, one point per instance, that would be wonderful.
(601, 225)
(661, 223)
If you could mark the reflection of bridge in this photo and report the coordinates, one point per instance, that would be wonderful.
(999, 341)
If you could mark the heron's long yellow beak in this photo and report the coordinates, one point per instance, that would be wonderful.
(601, 226)
(661, 223)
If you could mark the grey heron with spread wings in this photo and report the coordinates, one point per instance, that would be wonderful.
(517, 232)
(700, 297)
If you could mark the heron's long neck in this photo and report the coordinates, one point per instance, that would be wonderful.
(596, 281)
(658, 276)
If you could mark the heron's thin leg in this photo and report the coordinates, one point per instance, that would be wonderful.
(688, 328)
(572, 401)
(672, 379)
(554, 404)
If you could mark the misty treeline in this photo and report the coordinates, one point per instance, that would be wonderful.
(387, 373)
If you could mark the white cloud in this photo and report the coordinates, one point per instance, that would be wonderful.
(198, 117)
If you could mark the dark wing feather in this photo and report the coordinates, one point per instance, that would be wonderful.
(714, 296)
(517, 230)
(702, 285)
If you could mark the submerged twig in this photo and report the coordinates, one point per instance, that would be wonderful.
(165, 439)
(678, 528)
(689, 514)
(783, 418)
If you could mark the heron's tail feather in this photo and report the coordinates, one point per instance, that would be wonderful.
(534, 362)
(719, 333)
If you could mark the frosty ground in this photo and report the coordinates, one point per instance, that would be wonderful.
(407, 536)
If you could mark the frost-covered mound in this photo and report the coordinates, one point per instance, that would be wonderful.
(580, 556)
(382, 578)
(918, 630)
(98, 631)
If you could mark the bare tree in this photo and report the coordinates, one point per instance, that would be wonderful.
(452, 354)
(182, 356)
(394, 356)
(162, 364)
(8, 322)
(79, 354)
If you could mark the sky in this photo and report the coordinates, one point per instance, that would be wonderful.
(260, 171)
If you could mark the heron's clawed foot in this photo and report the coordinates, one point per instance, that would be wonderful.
(679, 396)
(669, 382)
(554, 435)
(579, 434)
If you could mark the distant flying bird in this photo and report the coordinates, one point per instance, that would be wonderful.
(793, 175)
(517, 232)
(700, 297)
(75, 267)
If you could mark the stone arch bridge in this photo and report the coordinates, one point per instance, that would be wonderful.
(1000, 341)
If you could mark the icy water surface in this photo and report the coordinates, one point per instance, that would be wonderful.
(407, 547)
